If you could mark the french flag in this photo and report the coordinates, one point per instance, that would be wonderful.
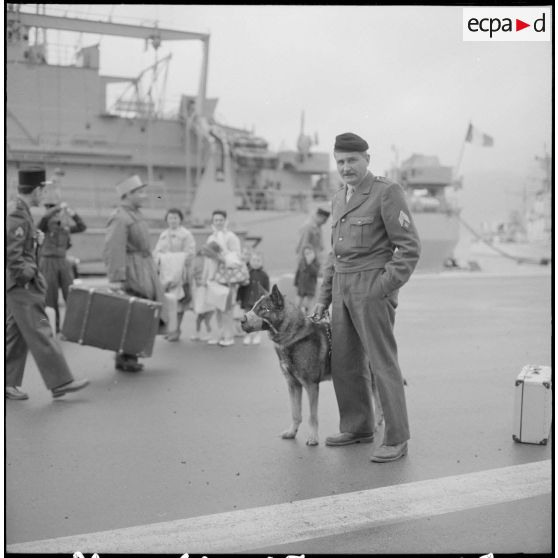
(476, 137)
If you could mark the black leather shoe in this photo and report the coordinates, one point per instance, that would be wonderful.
(128, 366)
(74, 385)
(13, 392)
(346, 438)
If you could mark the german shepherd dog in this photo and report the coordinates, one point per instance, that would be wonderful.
(303, 346)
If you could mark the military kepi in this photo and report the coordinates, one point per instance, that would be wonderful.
(130, 184)
(30, 178)
(349, 142)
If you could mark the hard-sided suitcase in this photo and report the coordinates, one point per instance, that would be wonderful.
(533, 405)
(108, 320)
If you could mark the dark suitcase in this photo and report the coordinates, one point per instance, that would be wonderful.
(102, 318)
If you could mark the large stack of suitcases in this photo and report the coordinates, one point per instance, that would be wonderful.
(102, 318)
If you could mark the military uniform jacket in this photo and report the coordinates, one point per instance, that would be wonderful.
(21, 246)
(374, 230)
(58, 227)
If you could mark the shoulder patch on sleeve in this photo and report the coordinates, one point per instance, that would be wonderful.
(19, 232)
(404, 220)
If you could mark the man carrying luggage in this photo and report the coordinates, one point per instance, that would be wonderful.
(127, 254)
(27, 325)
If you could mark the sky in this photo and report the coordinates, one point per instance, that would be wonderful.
(400, 76)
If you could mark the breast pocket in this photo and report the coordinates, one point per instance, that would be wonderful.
(361, 230)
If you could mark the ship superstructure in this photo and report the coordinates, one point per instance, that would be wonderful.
(426, 183)
(63, 112)
(59, 113)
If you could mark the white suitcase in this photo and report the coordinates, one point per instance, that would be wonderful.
(533, 405)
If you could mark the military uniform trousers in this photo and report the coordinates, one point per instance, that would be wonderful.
(28, 329)
(362, 321)
(59, 276)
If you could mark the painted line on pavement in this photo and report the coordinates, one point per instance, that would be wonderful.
(242, 530)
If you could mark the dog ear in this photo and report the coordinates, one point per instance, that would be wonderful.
(277, 297)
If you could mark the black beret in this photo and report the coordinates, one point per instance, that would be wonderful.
(350, 142)
(29, 179)
(323, 212)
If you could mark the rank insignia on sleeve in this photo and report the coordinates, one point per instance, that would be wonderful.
(19, 232)
(404, 220)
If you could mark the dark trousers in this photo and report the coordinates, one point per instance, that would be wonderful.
(58, 274)
(362, 323)
(28, 330)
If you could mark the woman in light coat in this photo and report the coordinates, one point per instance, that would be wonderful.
(174, 255)
(230, 249)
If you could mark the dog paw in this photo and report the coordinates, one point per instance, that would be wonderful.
(312, 441)
(288, 434)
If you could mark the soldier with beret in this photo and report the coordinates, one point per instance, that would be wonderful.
(27, 325)
(311, 234)
(58, 223)
(127, 254)
(375, 249)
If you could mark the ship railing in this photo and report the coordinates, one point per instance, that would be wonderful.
(272, 200)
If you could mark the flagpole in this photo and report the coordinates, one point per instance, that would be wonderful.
(461, 152)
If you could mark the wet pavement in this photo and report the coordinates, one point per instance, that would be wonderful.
(197, 433)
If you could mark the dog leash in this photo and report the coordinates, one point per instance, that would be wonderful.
(325, 319)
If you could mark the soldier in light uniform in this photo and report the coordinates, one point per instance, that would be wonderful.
(58, 223)
(375, 249)
(127, 254)
(27, 325)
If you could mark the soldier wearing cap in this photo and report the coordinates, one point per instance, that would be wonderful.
(311, 234)
(27, 325)
(375, 249)
(58, 223)
(127, 254)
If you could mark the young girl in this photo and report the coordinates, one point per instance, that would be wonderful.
(249, 294)
(306, 278)
(203, 311)
(174, 254)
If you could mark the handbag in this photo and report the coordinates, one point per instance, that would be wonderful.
(216, 295)
(237, 275)
(201, 305)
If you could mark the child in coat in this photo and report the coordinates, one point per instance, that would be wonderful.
(204, 311)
